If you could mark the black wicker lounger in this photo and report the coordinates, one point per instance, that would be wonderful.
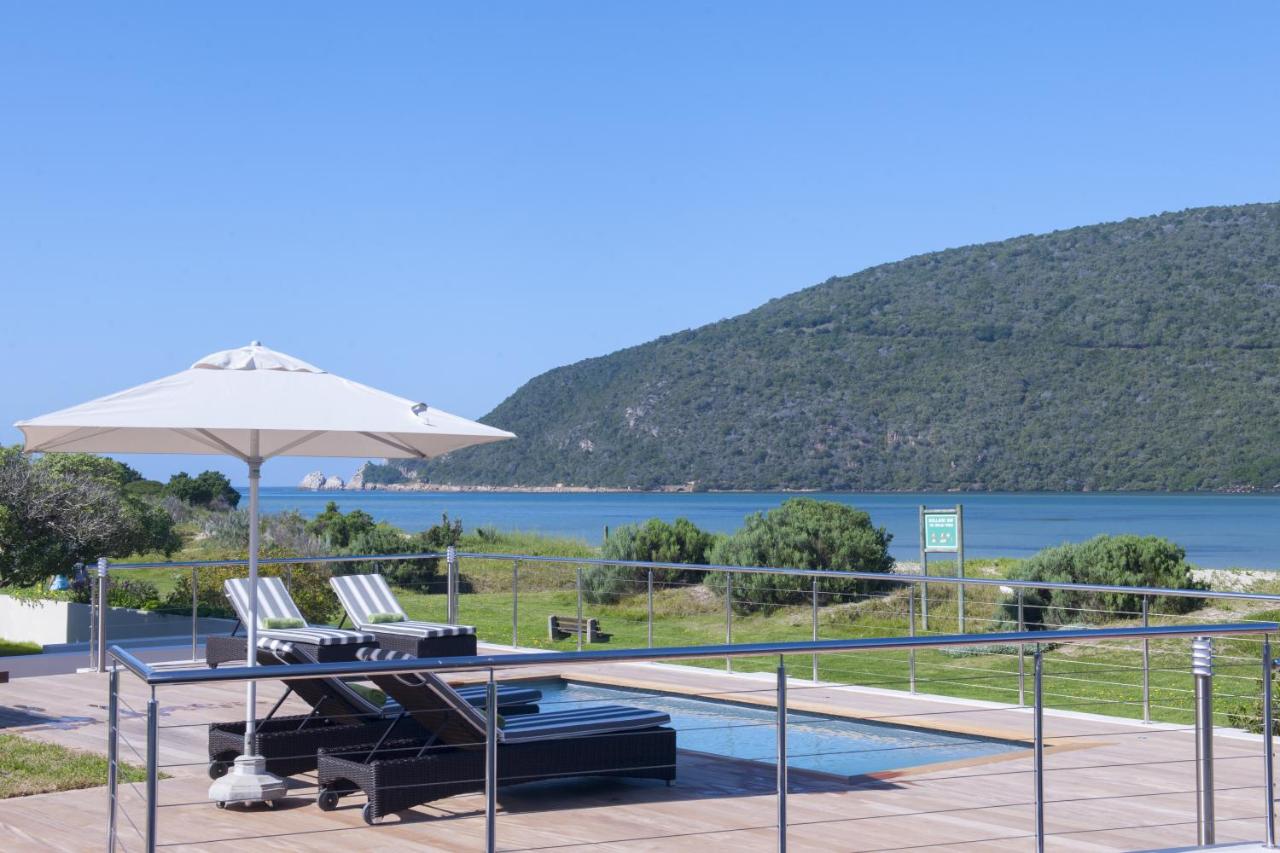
(340, 716)
(606, 740)
(276, 608)
(373, 608)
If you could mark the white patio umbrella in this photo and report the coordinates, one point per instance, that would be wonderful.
(254, 403)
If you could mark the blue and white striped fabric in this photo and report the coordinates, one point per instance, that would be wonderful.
(351, 704)
(424, 689)
(274, 602)
(364, 595)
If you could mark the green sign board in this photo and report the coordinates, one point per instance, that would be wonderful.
(941, 531)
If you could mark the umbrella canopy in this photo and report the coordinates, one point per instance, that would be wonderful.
(217, 405)
(254, 403)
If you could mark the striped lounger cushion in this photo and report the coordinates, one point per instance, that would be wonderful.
(274, 602)
(353, 704)
(364, 595)
(428, 689)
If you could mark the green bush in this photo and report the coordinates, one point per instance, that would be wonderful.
(121, 592)
(382, 538)
(1125, 560)
(308, 584)
(64, 508)
(802, 533)
(209, 489)
(655, 541)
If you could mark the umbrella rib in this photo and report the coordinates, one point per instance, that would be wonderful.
(291, 445)
(74, 435)
(205, 437)
(396, 444)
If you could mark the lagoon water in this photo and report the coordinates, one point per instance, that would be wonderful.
(1218, 531)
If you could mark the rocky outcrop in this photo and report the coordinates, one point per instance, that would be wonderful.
(318, 481)
(356, 483)
(313, 481)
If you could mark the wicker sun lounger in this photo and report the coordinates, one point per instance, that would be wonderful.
(373, 608)
(396, 774)
(275, 606)
(340, 716)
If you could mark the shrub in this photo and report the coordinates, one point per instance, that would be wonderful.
(418, 575)
(308, 584)
(209, 489)
(1106, 560)
(121, 592)
(655, 541)
(66, 508)
(802, 533)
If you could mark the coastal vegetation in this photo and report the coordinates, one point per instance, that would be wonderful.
(1134, 355)
(689, 606)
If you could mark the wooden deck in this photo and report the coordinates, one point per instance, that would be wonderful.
(1110, 785)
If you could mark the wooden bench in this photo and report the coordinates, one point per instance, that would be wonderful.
(560, 627)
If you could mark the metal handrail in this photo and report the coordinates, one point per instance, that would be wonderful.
(891, 577)
(156, 677)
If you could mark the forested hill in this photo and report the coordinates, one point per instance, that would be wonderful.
(1142, 354)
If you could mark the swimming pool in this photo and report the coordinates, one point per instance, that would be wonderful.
(835, 746)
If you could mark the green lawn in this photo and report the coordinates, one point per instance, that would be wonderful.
(16, 647)
(1102, 678)
(34, 767)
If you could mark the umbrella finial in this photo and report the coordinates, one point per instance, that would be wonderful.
(255, 343)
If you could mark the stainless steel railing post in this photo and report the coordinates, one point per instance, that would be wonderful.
(728, 617)
(491, 766)
(815, 627)
(153, 769)
(1022, 652)
(195, 609)
(1146, 663)
(1268, 745)
(782, 755)
(911, 632)
(451, 584)
(650, 608)
(515, 603)
(581, 630)
(1202, 668)
(104, 605)
(1037, 693)
(113, 754)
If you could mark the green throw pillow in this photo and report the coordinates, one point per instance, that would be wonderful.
(283, 622)
(384, 618)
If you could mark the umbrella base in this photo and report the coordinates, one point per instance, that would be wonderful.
(247, 783)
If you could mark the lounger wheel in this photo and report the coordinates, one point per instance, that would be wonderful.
(367, 814)
(327, 801)
(222, 804)
(218, 769)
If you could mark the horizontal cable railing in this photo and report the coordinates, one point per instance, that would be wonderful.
(157, 677)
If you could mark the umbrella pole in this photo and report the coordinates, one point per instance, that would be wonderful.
(249, 781)
(251, 639)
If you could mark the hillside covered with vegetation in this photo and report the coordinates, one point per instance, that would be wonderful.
(1142, 354)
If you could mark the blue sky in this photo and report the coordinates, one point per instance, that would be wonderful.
(444, 200)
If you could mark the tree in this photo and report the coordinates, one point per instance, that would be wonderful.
(209, 489)
(802, 533)
(338, 530)
(655, 541)
(1105, 561)
(62, 509)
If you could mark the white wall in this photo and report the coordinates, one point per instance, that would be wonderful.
(56, 622)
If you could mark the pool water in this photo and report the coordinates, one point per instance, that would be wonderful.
(836, 746)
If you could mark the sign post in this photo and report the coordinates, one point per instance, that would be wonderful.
(942, 531)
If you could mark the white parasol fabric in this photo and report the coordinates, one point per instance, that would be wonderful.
(254, 403)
